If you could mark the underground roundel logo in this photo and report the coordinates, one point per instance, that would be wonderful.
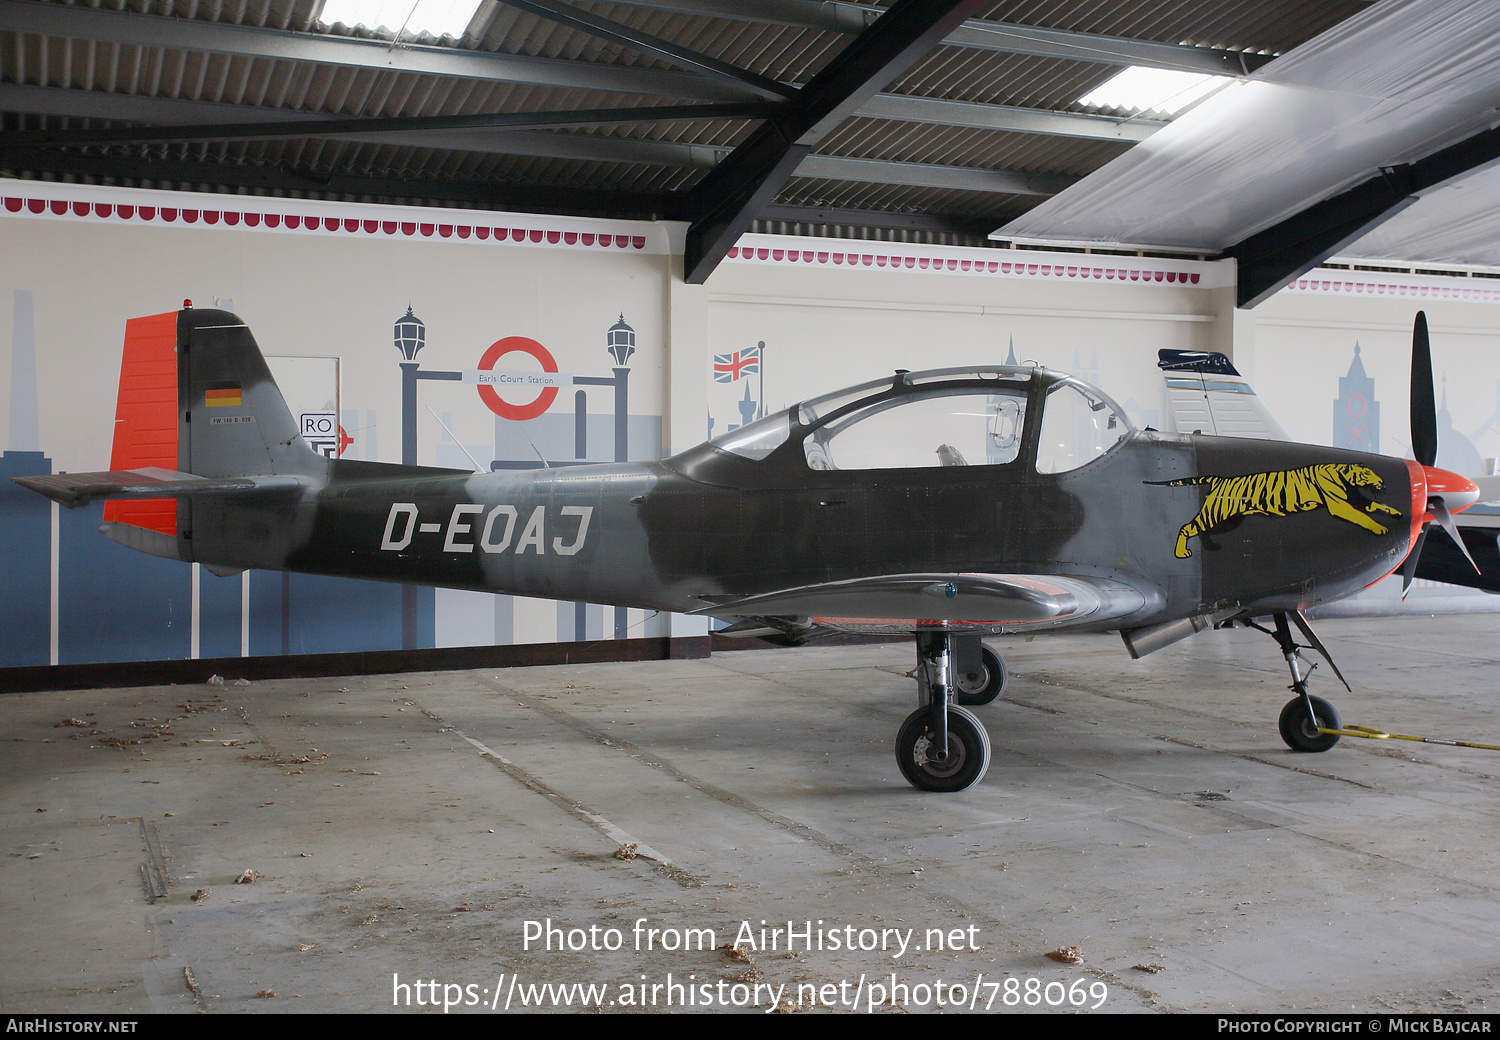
(494, 402)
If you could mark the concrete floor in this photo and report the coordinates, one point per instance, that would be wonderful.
(405, 829)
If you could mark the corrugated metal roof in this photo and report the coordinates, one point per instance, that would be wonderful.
(96, 69)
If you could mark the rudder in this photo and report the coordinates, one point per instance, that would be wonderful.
(146, 418)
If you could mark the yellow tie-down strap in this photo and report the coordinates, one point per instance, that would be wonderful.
(1370, 733)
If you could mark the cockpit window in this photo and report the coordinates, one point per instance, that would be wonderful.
(813, 409)
(758, 439)
(1078, 425)
(966, 427)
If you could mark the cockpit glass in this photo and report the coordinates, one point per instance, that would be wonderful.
(1078, 425)
(815, 408)
(961, 427)
(758, 439)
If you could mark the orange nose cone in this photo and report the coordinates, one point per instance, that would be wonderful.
(1418, 474)
(1458, 493)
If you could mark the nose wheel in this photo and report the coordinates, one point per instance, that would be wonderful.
(1299, 727)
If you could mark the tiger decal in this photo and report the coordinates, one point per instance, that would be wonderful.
(1279, 493)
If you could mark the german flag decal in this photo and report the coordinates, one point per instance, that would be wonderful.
(227, 396)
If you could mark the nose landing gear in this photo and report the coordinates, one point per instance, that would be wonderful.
(1305, 715)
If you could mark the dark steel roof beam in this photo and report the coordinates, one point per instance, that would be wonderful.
(1268, 260)
(1107, 50)
(799, 14)
(726, 201)
(499, 196)
(683, 57)
(836, 217)
(1006, 117)
(54, 101)
(981, 34)
(317, 126)
(923, 175)
(187, 34)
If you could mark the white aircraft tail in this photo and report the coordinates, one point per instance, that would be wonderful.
(1206, 395)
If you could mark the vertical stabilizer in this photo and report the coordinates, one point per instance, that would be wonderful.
(1206, 395)
(234, 421)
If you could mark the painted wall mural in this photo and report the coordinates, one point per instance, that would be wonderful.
(1356, 412)
(342, 331)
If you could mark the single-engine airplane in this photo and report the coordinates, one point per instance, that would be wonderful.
(948, 504)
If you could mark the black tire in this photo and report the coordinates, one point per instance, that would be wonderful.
(1301, 733)
(968, 751)
(983, 686)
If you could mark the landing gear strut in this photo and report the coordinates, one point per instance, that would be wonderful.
(940, 746)
(1305, 714)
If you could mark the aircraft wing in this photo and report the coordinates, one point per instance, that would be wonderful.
(967, 601)
(1442, 561)
(78, 489)
(1205, 394)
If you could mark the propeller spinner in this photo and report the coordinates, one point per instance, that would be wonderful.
(1445, 492)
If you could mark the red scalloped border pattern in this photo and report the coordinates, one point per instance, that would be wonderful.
(1348, 286)
(345, 225)
(1078, 272)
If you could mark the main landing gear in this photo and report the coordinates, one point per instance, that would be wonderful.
(1304, 715)
(940, 746)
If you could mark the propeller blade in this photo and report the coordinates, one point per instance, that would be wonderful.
(1409, 568)
(1441, 515)
(1424, 440)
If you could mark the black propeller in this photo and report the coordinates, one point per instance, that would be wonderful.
(1424, 439)
(1424, 448)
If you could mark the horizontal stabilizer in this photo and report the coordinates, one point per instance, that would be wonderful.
(142, 539)
(901, 602)
(75, 490)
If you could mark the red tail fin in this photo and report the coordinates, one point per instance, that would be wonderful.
(146, 417)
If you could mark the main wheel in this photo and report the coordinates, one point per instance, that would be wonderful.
(917, 752)
(983, 686)
(1301, 732)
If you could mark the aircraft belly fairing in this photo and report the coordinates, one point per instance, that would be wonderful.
(992, 604)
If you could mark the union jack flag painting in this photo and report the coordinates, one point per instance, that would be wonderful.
(730, 367)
